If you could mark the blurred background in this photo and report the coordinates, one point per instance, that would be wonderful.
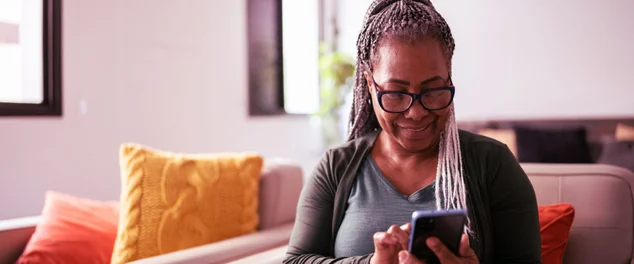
(274, 77)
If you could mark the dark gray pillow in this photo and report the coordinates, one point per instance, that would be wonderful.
(550, 145)
(618, 153)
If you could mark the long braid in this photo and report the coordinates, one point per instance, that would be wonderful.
(409, 20)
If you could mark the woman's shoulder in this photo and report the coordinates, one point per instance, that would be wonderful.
(336, 161)
(353, 149)
(481, 152)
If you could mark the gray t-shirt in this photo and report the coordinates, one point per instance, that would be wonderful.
(373, 206)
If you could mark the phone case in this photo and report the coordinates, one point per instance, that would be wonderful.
(447, 225)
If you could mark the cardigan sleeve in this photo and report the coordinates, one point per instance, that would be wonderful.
(311, 239)
(514, 213)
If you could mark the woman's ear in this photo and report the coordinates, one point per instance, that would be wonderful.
(368, 80)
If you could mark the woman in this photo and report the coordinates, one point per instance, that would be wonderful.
(405, 153)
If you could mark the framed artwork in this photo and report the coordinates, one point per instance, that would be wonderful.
(30, 58)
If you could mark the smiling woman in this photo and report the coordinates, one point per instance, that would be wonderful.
(405, 153)
(30, 48)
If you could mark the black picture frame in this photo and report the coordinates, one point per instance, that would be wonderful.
(265, 58)
(51, 104)
(266, 54)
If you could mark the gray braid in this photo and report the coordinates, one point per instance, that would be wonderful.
(409, 20)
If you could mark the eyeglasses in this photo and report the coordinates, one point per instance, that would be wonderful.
(399, 101)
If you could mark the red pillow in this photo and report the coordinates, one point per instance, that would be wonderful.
(555, 221)
(73, 230)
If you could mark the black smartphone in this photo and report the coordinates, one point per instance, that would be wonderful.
(446, 225)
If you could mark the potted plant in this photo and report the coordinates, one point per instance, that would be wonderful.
(335, 70)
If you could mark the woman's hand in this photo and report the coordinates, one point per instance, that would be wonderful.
(388, 244)
(467, 256)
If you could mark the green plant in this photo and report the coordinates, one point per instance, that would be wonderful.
(335, 70)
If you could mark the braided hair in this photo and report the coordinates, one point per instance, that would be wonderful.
(409, 20)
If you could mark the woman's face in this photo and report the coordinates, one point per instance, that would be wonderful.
(411, 67)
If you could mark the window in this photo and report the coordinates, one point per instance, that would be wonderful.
(283, 39)
(300, 31)
(30, 64)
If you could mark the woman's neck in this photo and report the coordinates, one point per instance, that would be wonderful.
(396, 154)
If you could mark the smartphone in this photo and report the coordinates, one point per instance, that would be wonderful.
(446, 225)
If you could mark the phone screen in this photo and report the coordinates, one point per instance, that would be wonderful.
(448, 228)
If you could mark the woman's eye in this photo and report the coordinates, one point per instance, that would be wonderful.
(393, 96)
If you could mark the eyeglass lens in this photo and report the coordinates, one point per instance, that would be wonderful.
(397, 102)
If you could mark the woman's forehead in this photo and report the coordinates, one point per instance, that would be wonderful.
(407, 60)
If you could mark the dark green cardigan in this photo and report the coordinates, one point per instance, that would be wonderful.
(501, 201)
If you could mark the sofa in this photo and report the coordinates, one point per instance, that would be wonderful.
(603, 226)
(602, 231)
(280, 185)
(603, 197)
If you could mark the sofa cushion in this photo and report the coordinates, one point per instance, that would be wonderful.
(227, 250)
(618, 153)
(555, 221)
(174, 201)
(272, 256)
(73, 230)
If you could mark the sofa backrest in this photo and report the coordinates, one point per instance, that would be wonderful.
(281, 183)
(602, 195)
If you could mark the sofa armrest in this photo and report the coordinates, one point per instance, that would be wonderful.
(227, 250)
(14, 235)
(271, 256)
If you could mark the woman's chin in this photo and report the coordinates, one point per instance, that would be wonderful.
(416, 145)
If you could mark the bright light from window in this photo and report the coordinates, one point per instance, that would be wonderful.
(11, 11)
(10, 73)
(21, 51)
(300, 30)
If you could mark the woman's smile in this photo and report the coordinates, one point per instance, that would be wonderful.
(416, 132)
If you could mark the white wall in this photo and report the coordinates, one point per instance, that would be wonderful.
(158, 72)
(534, 59)
(173, 76)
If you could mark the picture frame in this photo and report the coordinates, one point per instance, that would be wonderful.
(265, 58)
(36, 54)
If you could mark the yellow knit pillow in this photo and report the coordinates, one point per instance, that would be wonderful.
(171, 202)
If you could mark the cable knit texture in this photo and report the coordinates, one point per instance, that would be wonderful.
(171, 201)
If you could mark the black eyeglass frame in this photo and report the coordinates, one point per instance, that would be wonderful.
(415, 96)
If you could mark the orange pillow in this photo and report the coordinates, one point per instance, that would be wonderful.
(73, 230)
(555, 221)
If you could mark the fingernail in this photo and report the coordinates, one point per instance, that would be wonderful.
(402, 256)
(432, 242)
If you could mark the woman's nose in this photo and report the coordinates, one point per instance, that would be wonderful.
(416, 112)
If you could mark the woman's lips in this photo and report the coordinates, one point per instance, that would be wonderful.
(416, 132)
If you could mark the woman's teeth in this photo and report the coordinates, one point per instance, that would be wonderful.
(418, 129)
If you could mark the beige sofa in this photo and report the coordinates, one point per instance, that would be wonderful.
(602, 232)
(603, 197)
(280, 186)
